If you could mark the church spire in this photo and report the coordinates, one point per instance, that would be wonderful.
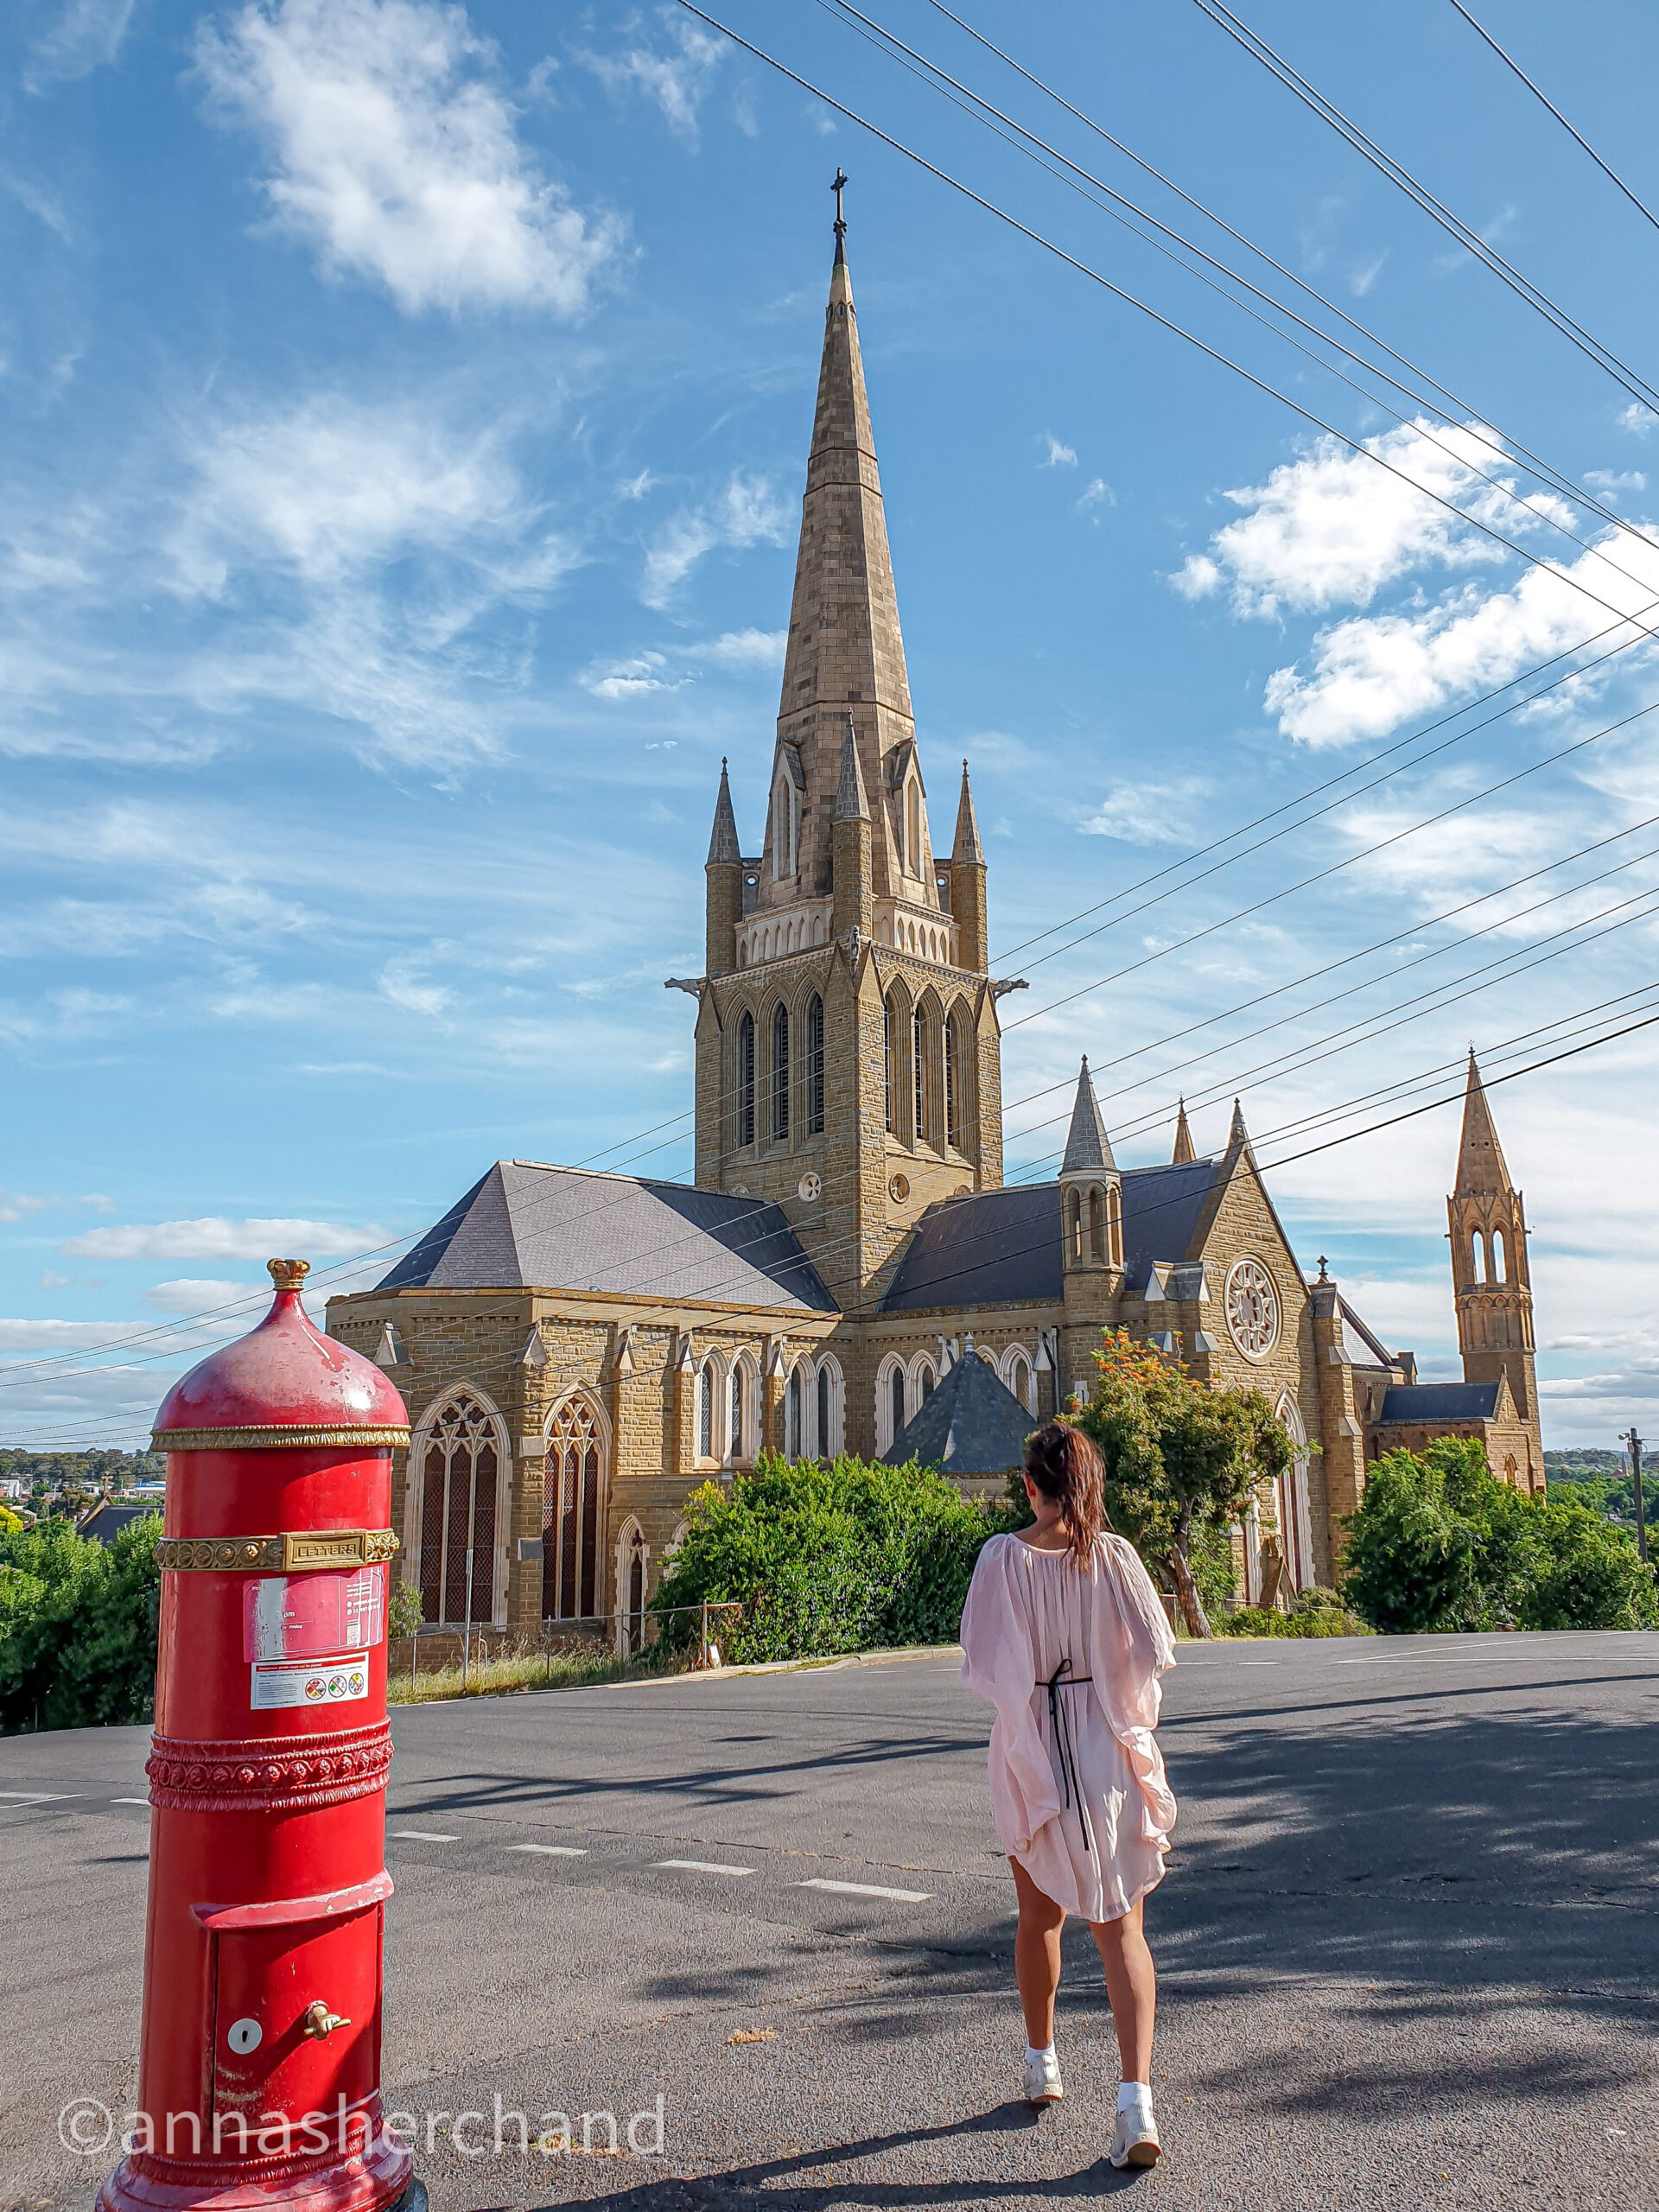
(966, 849)
(1184, 1151)
(845, 654)
(1086, 1144)
(723, 848)
(1480, 1157)
(852, 801)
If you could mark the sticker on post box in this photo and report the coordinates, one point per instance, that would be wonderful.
(307, 1681)
(303, 1616)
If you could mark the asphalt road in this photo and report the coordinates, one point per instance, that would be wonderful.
(1408, 1943)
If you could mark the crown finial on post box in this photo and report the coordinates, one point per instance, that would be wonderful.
(288, 1275)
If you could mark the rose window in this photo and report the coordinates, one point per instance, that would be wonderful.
(1252, 1308)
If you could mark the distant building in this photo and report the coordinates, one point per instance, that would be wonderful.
(580, 1351)
(111, 1516)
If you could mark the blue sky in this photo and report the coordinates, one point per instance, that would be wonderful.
(404, 419)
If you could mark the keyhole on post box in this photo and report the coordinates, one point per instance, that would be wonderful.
(245, 2036)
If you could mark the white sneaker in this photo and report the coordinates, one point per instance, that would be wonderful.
(1043, 2083)
(1134, 2139)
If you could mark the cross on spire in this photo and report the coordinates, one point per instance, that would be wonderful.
(838, 187)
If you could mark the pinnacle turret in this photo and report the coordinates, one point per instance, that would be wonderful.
(723, 848)
(1086, 1144)
(967, 851)
(1183, 1151)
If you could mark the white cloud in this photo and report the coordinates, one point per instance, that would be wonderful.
(1097, 492)
(1331, 528)
(87, 35)
(14, 1206)
(1144, 813)
(395, 154)
(1372, 673)
(677, 81)
(760, 652)
(1610, 482)
(1637, 419)
(1058, 455)
(635, 487)
(403, 981)
(748, 512)
(198, 1294)
(629, 679)
(216, 1237)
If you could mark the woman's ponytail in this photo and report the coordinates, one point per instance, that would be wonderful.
(1065, 1466)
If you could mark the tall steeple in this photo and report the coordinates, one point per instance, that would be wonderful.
(1087, 1145)
(1490, 1275)
(1091, 1211)
(845, 654)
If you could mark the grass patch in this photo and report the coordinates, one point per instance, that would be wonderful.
(505, 1673)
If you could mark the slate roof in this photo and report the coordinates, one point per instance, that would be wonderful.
(996, 1248)
(1433, 1401)
(971, 1425)
(1162, 1208)
(991, 1248)
(527, 1225)
(1360, 1348)
(104, 1522)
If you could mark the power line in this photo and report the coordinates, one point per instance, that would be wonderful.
(1538, 93)
(1471, 240)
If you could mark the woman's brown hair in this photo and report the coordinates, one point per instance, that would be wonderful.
(1065, 1466)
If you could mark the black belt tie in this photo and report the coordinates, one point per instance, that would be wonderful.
(1060, 1726)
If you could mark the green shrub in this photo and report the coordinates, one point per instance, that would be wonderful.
(1438, 1543)
(78, 1627)
(839, 1556)
(1314, 1613)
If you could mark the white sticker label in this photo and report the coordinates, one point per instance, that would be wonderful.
(307, 1681)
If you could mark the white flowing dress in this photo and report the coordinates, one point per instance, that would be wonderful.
(1069, 1656)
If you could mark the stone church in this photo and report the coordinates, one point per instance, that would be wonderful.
(580, 1351)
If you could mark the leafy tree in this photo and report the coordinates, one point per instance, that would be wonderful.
(1182, 1460)
(1438, 1543)
(404, 1612)
(839, 1556)
(78, 1626)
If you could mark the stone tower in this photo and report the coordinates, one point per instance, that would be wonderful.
(1091, 1232)
(848, 1062)
(1489, 1272)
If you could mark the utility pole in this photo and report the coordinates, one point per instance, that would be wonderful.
(1632, 1444)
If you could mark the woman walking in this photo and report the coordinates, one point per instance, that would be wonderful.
(1063, 1633)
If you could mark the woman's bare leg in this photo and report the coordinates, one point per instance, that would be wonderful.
(1131, 1984)
(1037, 1957)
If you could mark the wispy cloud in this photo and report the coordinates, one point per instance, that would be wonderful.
(84, 35)
(675, 77)
(395, 154)
(758, 651)
(747, 512)
(216, 1237)
(1143, 813)
(1055, 455)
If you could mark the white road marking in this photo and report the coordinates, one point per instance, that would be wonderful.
(867, 1889)
(704, 1867)
(40, 1796)
(552, 1850)
(421, 1835)
(129, 1801)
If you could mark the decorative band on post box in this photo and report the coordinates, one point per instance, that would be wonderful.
(259, 2068)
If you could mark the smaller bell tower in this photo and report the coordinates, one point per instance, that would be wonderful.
(1490, 1274)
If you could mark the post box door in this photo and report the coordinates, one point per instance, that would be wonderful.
(266, 1980)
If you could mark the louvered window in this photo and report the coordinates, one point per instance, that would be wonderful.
(458, 1515)
(745, 1080)
(815, 1066)
(570, 1508)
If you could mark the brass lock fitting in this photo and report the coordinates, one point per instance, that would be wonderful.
(319, 2023)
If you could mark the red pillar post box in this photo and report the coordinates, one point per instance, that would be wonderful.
(260, 2074)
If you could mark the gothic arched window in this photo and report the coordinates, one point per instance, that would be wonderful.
(793, 1410)
(736, 1410)
(925, 1371)
(1500, 1258)
(458, 1513)
(815, 1066)
(1097, 1225)
(888, 1017)
(913, 827)
(1115, 1226)
(745, 1080)
(780, 1074)
(708, 1386)
(919, 1057)
(1019, 1381)
(825, 1401)
(572, 1489)
(634, 1585)
(952, 1111)
(897, 1388)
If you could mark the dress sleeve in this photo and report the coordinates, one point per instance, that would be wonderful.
(998, 1663)
(1132, 1646)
